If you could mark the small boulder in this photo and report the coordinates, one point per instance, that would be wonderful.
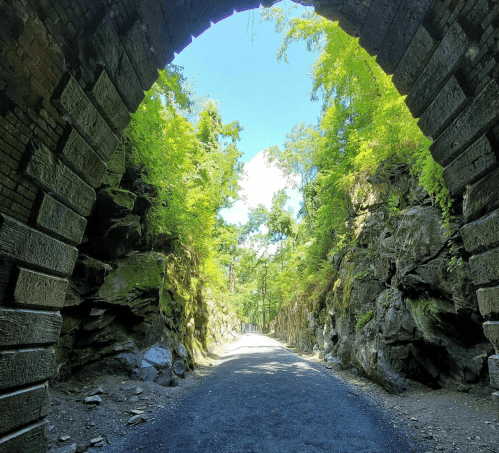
(179, 368)
(136, 419)
(158, 357)
(93, 399)
(96, 391)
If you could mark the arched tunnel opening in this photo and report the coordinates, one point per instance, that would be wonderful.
(73, 71)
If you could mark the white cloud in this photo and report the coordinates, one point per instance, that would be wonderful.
(259, 184)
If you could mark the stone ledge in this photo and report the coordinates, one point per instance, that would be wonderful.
(28, 246)
(32, 439)
(109, 103)
(491, 330)
(494, 371)
(488, 302)
(414, 60)
(443, 63)
(445, 107)
(484, 268)
(51, 175)
(476, 118)
(481, 233)
(25, 366)
(82, 159)
(23, 407)
(34, 289)
(481, 197)
(24, 327)
(58, 220)
(474, 163)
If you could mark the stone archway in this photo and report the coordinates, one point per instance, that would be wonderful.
(71, 71)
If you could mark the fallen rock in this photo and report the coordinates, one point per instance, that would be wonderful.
(135, 420)
(93, 399)
(179, 368)
(146, 373)
(158, 357)
(137, 391)
(96, 440)
(96, 391)
(64, 438)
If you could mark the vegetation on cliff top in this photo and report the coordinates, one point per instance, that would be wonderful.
(364, 130)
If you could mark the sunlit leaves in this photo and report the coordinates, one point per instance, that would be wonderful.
(193, 170)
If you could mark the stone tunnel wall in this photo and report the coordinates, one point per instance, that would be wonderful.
(72, 70)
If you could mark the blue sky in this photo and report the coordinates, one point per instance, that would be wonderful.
(268, 98)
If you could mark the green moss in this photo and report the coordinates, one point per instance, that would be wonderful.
(424, 313)
(363, 320)
(142, 272)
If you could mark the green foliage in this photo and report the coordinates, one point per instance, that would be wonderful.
(424, 312)
(363, 320)
(362, 275)
(193, 169)
(364, 128)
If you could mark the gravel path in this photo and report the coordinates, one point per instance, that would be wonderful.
(261, 397)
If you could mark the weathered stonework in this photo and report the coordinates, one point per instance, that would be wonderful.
(442, 53)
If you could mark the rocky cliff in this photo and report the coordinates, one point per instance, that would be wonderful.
(396, 306)
(136, 303)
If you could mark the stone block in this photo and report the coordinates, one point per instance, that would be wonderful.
(32, 439)
(444, 61)
(23, 406)
(50, 174)
(109, 103)
(139, 53)
(82, 159)
(35, 290)
(353, 16)
(117, 64)
(58, 220)
(244, 5)
(476, 119)
(481, 197)
(77, 109)
(494, 371)
(484, 268)
(25, 366)
(115, 168)
(157, 32)
(200, 12)
(475, 162)
(414, 60)
(491, 330)
(26, 245)
(495, 401)
(381, 13)
(25, 327)
(449, 103)
(175, 16)
(482, 233)
(401, 32)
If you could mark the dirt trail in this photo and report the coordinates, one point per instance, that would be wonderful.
(263, 397)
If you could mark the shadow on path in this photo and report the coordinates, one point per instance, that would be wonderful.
(261, 397)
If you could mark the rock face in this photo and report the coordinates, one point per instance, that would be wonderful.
(395, 309)
(129, 309)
